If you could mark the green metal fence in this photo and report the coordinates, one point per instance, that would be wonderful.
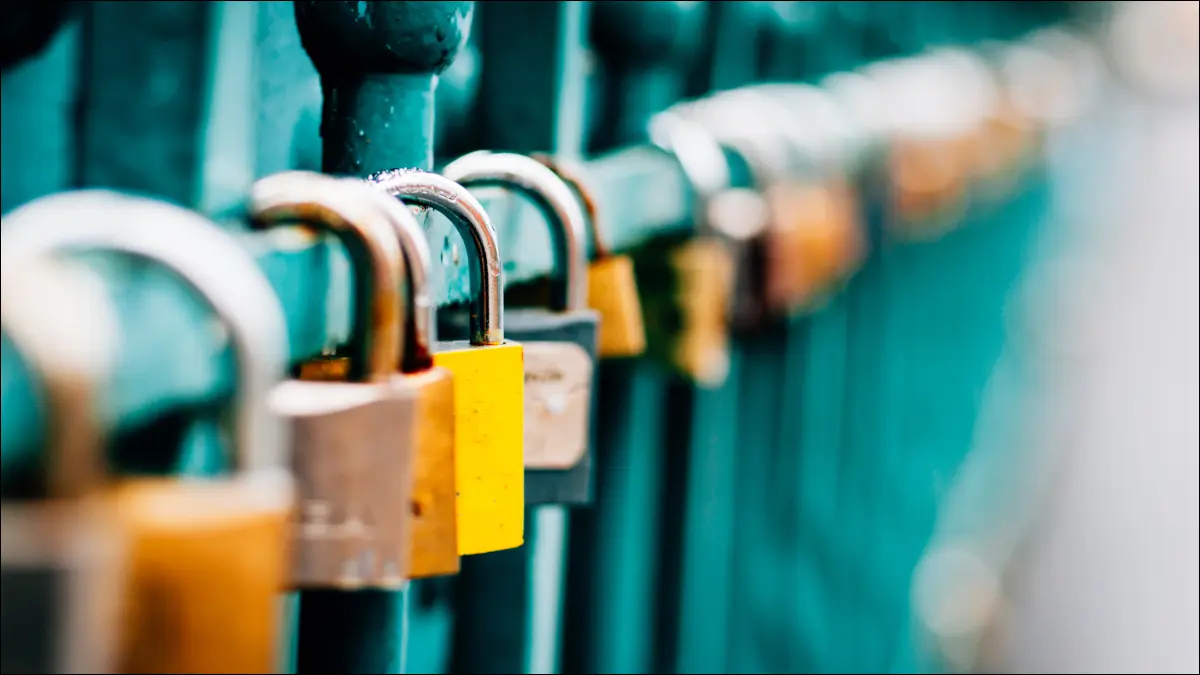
(770, 524)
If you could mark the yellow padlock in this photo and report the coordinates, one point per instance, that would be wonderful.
(209, 557)
(612, 286)
(489, 372)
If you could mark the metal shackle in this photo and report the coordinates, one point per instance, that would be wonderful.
(64, 325)
(725, 115)
(347, 208)
(418, 261)
(559, 205)
(208, 259)
(466, 214)
(574, 174)
(698, 154)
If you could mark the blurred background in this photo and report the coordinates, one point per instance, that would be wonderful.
(913, 377)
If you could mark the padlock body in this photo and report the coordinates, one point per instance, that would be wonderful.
(353, 447)
(434, 549)
(704, 269)
(612, 291)
(63, 576)
(823, 245)
(209, 562)
(927, 185)
(560, 357)
(489, 402)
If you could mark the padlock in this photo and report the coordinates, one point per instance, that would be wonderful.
(209, 557)
(63, 557)
(353, 441)
(771, 285)
(560, 342)
(691, 330)
(434, 494)
(489, 382)
(612, 285)
(926, 151)
(826, 241)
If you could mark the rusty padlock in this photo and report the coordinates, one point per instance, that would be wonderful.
(704, 268)
(63, 557)
(352, 440)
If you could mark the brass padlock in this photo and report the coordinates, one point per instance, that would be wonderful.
(489, 374)
(703, 269)
(435, 492)
(776, 274)
(823, 238)
(352, 446)
(209, 556)
(63, 556)
(611, 283)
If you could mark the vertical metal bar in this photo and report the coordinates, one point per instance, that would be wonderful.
(378, 64)
(612, 597)
(706, 476)
(36, 124)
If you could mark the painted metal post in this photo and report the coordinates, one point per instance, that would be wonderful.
(643, 49)
(378, 63)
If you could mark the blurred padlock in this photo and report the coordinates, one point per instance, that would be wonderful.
(701, 272)
(63, 557)
(560, 341)
(826, 229)
(352, 441)
(435, 493)
(209, 556)
(489, 374)
(611, 286)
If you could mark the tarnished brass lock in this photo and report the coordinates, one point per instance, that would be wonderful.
(702, 270)
(559, 342)
(489, 382)
(63, 557)
(435, 492)
(611, 284)
(352, 450)
(826, 240)
(209, 555)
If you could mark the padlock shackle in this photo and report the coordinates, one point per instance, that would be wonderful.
(467, 215)
(813, 123)
(205, 257)
(420, 330)
(699, 156)
(349, 210)
(574, 174)
(568, 226)
(65, 327)
(724, 116)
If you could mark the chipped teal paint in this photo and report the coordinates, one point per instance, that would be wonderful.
(378, 64)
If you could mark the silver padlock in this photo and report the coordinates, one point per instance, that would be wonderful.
(354, 471)
(63, 555)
